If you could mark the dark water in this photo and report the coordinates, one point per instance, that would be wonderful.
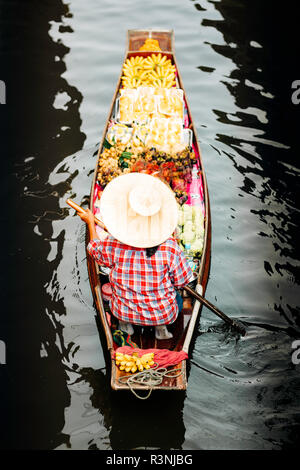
(60, 63)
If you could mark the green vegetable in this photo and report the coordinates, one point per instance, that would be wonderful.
(106, 144)
(122, 163)
(126, 155)
(122, 160)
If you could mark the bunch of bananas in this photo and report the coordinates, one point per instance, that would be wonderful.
(155, 70)
(134, 363)
(150, 45)
(134, 72)
(161, 72)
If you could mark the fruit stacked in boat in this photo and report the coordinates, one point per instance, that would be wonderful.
(149, 132)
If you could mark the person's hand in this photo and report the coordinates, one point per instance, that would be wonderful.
(87, 217)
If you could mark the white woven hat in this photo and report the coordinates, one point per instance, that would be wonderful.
(139, 210)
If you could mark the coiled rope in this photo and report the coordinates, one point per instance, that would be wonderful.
(148, 378)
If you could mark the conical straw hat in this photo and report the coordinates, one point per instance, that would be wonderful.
(139, 210)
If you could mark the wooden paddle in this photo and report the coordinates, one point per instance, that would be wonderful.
(197, 296)
(80, 209)
(233, 323)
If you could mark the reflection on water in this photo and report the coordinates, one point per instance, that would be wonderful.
(40, 137)
(242, 393)
(264, 150)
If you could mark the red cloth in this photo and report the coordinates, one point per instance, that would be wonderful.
(163, 357)
(143, 289)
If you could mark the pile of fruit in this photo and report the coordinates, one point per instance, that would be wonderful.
(171, 102)
(175, 168)
(134, 363)
(148, 135)
(190, 230)
(150, 45)
(164, 132)
(144, 103)
(110, 163)
(155, 70)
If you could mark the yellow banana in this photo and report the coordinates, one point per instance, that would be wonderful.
(164, 60)
(154, 74)
(170, 76)
(165, 72)
(139, 365)
(133, 363)
(157, 82)
(149, 71)
(148, 356)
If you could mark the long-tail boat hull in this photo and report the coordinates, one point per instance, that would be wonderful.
(186, 322)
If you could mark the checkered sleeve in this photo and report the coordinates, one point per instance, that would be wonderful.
(101, 251)
(180, 271)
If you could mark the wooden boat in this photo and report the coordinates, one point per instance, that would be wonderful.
(183, 327)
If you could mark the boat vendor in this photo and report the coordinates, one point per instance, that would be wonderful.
(147, 265)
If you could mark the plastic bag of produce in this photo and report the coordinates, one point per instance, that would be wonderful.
(187, 213)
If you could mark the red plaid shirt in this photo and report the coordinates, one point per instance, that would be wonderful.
(143, 289)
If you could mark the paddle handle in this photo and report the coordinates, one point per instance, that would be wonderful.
(192, 322)
(81, 210)
(214, 309)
